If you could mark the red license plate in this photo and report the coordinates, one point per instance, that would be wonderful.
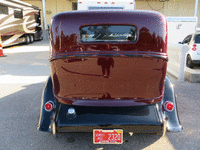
(107, 136)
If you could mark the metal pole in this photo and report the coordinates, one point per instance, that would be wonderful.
(44, 15)
(196, 8)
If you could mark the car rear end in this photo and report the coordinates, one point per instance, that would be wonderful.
(108, 75)
(195, 49)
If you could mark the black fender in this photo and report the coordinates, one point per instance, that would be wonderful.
(46, 117)
(173, 122)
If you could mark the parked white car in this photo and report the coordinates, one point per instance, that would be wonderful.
(193, 55)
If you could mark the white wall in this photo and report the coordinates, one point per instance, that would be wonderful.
(177, 60)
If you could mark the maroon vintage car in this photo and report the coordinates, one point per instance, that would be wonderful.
(108, 71)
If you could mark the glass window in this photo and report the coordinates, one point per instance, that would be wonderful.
(18, 14)
(108, 33)
(187, 39)
(197, 38)
(3, 9)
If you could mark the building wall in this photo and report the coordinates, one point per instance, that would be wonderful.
(168, 8)
(55, 6)
(179, 8)
(52, 7)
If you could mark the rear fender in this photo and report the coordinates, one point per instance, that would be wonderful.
(173, 122)
(46, 117)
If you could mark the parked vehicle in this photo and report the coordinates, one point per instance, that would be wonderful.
(193, 55)
(121, 86)
(19, 22)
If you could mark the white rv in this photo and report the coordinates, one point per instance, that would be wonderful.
(106, 4)
(19, 22)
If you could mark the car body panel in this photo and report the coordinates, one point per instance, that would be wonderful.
(135, 69)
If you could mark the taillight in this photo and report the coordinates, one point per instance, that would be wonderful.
(113, 3)
(49, 106)
(194, 47)
(131, 3)
(80, 2)
(98, 2)
(106, 3)
(169, 106)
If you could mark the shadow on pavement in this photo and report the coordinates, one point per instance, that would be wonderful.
(188, 103)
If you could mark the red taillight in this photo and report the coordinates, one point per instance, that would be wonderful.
(106, 3)
(169, 106)
(49, 106)
(98, 2)
(131, 3)
(194, 47)
(80, 2)
(113, 3)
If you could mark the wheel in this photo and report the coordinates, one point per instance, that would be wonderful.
(31, 38)
(27, 39)
(189, 62)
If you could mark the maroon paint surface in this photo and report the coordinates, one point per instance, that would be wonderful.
(136, 69)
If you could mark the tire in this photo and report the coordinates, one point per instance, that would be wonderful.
(31, 38)
(189, 62)
(27, 41)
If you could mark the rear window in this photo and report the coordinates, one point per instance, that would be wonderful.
(197, 38)
(108, 33)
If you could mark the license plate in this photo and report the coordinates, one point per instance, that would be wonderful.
(107, 136)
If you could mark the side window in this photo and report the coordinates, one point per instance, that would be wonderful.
(37, 18)
(3, 9)
(197, 38)
(38, 21)
(18, 14)
(187, 39)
